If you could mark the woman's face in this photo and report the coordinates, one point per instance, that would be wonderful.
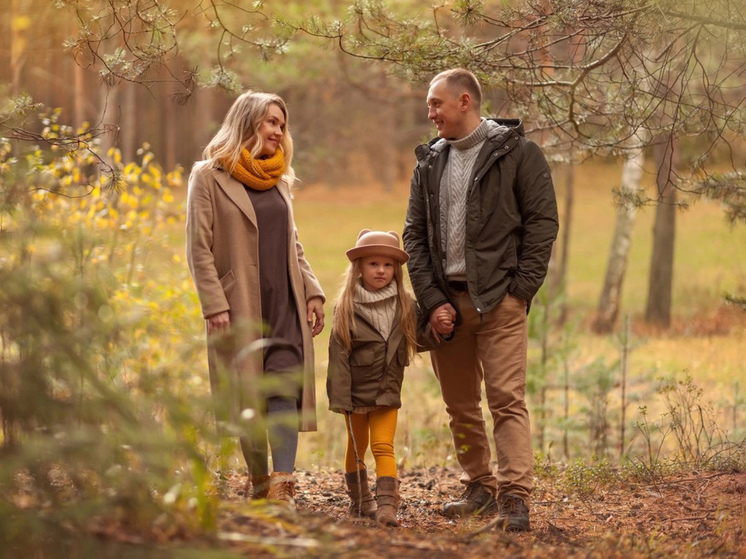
(271, 130)
(377, 272)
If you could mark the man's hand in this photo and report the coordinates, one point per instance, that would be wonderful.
(442, 320)
(315, 307)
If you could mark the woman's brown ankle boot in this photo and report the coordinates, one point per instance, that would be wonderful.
(259, 486)
(282, 488)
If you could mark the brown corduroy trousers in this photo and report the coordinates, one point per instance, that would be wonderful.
(491, 348)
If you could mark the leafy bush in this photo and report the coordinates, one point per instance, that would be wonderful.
(103, 409)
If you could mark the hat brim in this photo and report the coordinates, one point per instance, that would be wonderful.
(377, 250)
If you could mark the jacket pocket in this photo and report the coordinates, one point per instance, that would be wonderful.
(227, 279)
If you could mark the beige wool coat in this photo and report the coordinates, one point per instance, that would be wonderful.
(223, 257)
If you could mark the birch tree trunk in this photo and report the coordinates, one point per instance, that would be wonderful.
(611, 295)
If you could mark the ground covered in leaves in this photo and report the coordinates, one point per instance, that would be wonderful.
(694, 514)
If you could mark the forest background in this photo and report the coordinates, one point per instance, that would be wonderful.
(636, 338)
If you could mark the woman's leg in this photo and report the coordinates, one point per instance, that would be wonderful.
(282, 428)
(382, 431)
(254, 450)
(360, 431)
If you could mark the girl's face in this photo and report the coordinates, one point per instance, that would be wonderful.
(271, 130)
(377, 272)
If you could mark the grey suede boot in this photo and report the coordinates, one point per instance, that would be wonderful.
(387, 498)
(362, 502)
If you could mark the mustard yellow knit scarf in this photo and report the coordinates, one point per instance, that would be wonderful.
(259, 174)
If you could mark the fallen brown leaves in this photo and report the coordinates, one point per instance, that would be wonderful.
(693, 515)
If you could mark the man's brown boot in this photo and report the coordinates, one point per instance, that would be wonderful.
(387, 498)
(259, 486)
(475, 500)
(282, 488)
(362, 502)
(513, 514)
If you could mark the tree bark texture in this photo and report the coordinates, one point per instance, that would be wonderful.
(660, 286)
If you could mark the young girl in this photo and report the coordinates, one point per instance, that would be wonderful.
(373, 336)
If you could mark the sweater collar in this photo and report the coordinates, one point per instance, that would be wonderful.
(362, 295)
(478, 135)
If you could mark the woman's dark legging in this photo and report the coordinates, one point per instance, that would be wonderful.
(282, 433)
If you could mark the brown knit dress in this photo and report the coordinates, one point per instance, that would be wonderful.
(284, 352)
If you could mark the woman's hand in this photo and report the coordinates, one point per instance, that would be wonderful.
(315, 307)
(218, 322)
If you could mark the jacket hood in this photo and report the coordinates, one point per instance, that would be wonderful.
(498, 129)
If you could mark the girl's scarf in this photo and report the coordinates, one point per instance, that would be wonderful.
(259, 174)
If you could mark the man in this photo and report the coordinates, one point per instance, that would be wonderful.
(480, 225)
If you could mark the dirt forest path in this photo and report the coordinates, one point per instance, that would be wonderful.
(696, 514)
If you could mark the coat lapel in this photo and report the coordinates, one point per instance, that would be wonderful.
(236, 191)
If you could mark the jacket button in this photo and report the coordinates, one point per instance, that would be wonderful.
(494, 154)
(507, 147)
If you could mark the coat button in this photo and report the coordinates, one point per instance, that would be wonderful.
(507, 147)
(494, 154)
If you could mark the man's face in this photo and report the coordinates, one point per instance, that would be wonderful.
(445, 109)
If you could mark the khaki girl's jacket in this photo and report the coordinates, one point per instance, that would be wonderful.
(372, 374)
(511, 220)
(223, 256)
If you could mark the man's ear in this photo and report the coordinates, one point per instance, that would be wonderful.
(465, 101)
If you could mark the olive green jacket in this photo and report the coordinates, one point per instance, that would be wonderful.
(511, 220)
(372, 374)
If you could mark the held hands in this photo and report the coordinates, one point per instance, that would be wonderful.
(442, 321)
(315, 307)
(218, 322)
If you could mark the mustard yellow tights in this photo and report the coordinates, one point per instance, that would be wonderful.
(378, 427)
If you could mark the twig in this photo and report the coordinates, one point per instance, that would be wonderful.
(294, 542)
(691, 518)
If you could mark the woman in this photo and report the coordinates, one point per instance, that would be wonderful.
(261, 301)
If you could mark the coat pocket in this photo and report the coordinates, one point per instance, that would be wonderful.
(227, 280)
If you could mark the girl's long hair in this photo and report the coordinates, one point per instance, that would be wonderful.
(344, 326)
(241, 127)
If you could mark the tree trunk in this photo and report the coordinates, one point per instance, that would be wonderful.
(558, 281)
(128, 122)
(660, 287)
(611, 294)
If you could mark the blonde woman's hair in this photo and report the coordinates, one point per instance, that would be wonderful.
(344, 325)
(241, 127)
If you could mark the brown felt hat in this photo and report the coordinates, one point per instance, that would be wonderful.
(377, 243)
